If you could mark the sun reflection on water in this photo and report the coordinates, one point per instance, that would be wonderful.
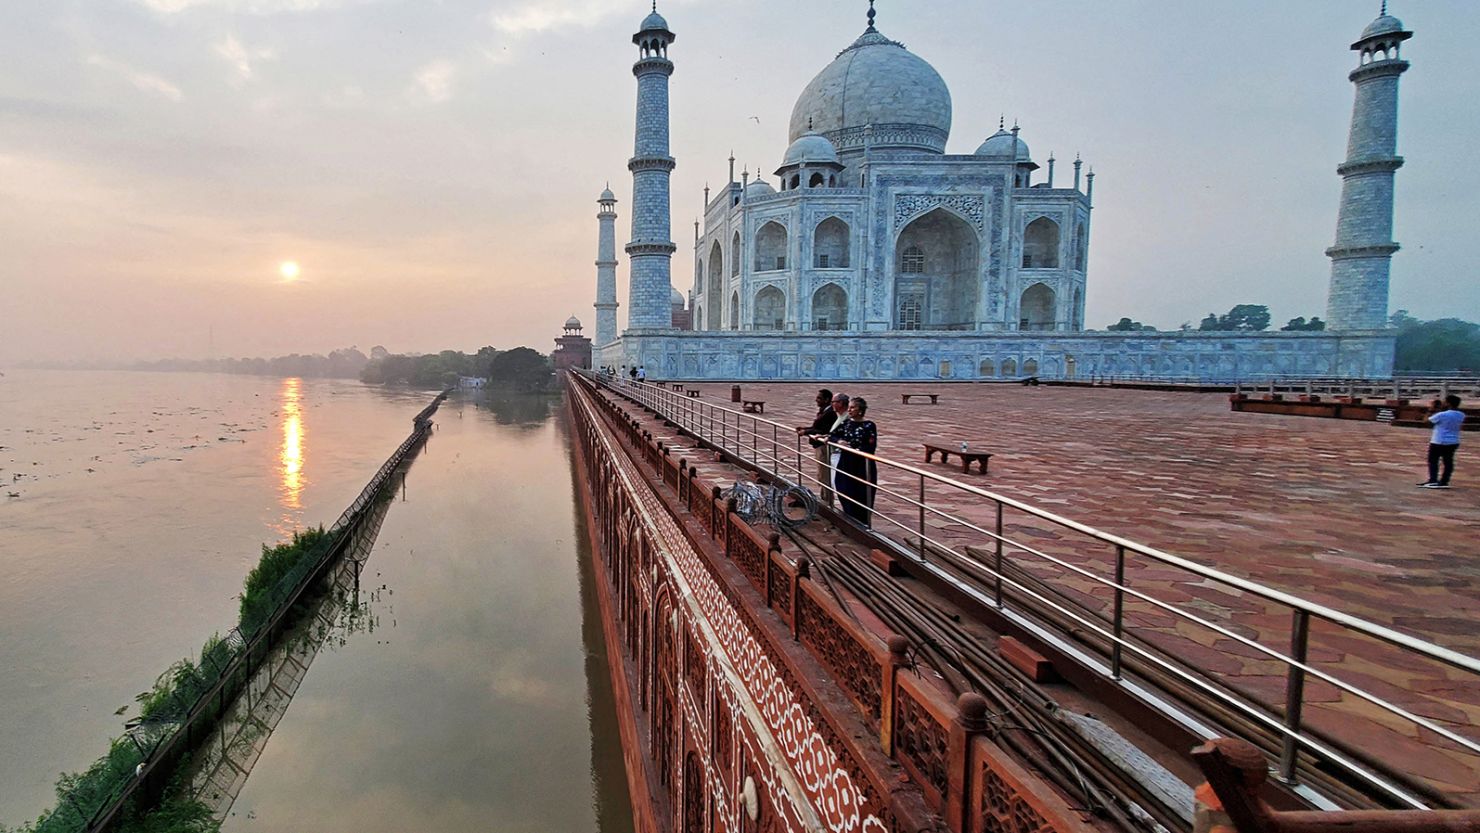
(290, 457)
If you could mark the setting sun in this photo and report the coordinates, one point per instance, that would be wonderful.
(289, 270)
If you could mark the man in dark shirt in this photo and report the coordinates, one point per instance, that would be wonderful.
(823, 423)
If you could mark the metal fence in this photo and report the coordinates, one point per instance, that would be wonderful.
(1073, 586)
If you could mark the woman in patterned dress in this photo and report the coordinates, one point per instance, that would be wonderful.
(856, 474)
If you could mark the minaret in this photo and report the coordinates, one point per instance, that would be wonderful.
(651, 250)
(1358, 298)
(606, 269)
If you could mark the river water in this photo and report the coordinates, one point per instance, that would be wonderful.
(140, 501)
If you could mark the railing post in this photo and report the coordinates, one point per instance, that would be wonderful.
(970, 721)
(1118, 624)
(997, 592)
(899, 647)
(922, 517)
(1294, 693)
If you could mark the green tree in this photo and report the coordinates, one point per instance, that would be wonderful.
(521, 367)
(1242, 318)
(1442, 345)
(1299, 324)
(1209, 323)
(1125, 325)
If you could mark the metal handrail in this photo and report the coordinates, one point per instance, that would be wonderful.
(745, 435)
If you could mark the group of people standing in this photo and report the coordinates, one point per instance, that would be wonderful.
(840, 431)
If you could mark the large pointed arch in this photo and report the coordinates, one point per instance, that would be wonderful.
(714, 290)
(768, 309)
(1038, 308)
(830, 244)
(830, 308)
(1041, 244)
(770, 247)
(936, 271)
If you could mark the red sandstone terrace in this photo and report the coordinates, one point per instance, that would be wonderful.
(1154, 430)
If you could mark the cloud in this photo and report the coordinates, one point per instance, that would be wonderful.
(263, 7)
(146, 81)
(241, 58)
(542, 15)
(434, 81)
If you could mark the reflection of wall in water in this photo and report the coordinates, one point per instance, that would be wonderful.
(223, 764)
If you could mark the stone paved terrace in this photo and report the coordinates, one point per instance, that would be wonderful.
(1324, 509)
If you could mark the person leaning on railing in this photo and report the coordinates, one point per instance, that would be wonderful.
(856, 474)
(827, 462)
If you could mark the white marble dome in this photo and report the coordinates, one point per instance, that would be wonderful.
(572, 323)
(1000, 145)
(676, 299)
(813, 148)
(759, 188)
(607, 196)
(876, 81)
(1384, 25)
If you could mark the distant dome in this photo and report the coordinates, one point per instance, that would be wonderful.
(811, 148)
(759, 188)
(1000, 146)
(1385, 25)
(572, 323)
(876, 81)
(654, 23)
(607, 196)
(678, 298)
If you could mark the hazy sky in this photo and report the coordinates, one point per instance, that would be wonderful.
(433, 164)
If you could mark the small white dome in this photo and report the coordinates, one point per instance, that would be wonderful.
(678, 299)
(1384, 25)
(607, 196)
(654, 23)
(572, 323)
(1000, 145)
(759, 188)
(811, 148)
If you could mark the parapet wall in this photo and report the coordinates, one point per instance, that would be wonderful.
(883, 356)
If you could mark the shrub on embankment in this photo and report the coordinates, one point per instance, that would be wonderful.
(81, 794)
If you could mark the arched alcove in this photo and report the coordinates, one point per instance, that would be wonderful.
(1036, 311)
(830, 308)
(1041, 244)
(735, 253)
(734, 310)
(769, 309)
(987, 368)
(770, 247)
(830, 244)
(1009, 367)
(714, 292)
(936, 281)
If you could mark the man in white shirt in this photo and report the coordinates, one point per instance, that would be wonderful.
(1446, 418)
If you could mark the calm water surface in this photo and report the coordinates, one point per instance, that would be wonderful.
(133, 505)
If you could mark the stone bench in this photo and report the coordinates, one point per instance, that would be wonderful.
(967, 457)
(676, 387)
(753, 406)
(904, 398)
(692, 393)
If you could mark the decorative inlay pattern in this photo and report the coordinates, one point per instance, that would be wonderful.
(919, 739)
(909, 206)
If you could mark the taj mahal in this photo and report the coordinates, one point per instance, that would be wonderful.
(875, 252)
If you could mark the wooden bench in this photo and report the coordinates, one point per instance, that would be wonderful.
(967, 457)
(693, 393)
(904, 398)
(753, 406)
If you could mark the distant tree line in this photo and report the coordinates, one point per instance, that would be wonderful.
(521, 367)
(1242, 318)
(1442, 345)
(339, 364)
